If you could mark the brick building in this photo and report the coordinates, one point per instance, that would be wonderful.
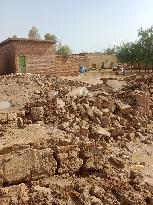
(19, 55)
(100, 61)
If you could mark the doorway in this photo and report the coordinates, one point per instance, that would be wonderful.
(22, 64)
(102, 65)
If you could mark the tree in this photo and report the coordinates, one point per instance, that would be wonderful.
(123, 53)
(146, 41)
(64, 50)
(14, 36)
(34, 33)
(50, 37)
(139, 52)
(130, 53)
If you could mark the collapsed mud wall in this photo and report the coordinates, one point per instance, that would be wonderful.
(69, 143)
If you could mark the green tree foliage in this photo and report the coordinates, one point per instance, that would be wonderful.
(34, 33)
(130, 53)
(50, 37)
(123, 53)
(14, 36)
(146, 41)
(64, 51)
(139, 52)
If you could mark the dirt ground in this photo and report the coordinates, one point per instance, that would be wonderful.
(84, 140)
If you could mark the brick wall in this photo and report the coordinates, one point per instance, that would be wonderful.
(69, 66)
(33, 47)
(7, 59)
(40, 58)
(40, 64)
(38, 55)
(54, 64)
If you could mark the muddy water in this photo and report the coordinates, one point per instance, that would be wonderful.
(101, 74)
(95, 77)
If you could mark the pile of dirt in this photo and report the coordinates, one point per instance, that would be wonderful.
(69, 142)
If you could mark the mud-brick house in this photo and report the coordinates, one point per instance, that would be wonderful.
(19, 55)
(100, 61)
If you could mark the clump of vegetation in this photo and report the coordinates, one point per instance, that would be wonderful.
(64, 51)
(50, 37)
(139, 53)
(34, 33)
(14, 36)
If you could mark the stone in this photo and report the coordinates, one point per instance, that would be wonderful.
(20, 122)
(126, 200)
(150, 200)
(64, 125)
(12, 116)
(103, 132)
(84, 128)
(95, 158)
(115, 132)
(21, 113)
(84, 124)
(15, 194)
(149, 187)
(3, 117)
(106, 111)
(38, 92)
(99, 132)
(141, 97)
(97, 191)
(95, 201)
(82, 110)
(137, 167)
(90, 113)
(41, 196)
(151, 90)
(26, 164)
(123, 108)
(97, 112)
(60, 103)
(68, 159)
(116, 162)
(37, 113)
(105, 121)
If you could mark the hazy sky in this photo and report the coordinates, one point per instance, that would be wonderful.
(85, 25)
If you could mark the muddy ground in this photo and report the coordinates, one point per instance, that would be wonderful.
(83, 140)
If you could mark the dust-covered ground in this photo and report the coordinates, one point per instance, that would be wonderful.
(83, 140)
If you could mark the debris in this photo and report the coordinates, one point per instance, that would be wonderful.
(69, 142)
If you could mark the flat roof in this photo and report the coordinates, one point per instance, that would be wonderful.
(25, 40)
(95, 54)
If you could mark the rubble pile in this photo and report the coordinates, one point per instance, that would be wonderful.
(71, 143)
